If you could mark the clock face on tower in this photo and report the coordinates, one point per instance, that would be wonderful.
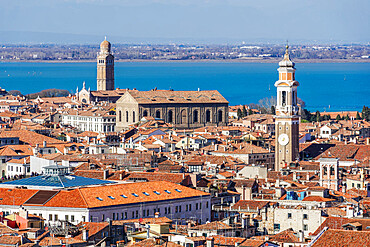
(283, 139)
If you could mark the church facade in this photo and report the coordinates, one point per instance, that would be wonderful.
(287, 115)
(183, 109)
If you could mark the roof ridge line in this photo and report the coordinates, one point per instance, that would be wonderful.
(79, 191)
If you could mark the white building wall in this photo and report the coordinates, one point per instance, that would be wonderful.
(297, 221)
(13, 169)
(202, 214)
(91, 123)
(37, 164)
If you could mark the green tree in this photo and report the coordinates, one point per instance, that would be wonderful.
(244, 111)
(239, 113)
(318, 116)
(358, 117)
(326, 117)
(250, 112)
(366, 113)
(306, 115)
(338, 118)
(346, 118)
(273, 112)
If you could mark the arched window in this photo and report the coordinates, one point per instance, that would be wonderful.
(170, 116)
(283, 98)
(183, 116)
(195, 116)
(119, 116)
(126, 116)
(133, 116)
(208, 116)
(157, 114)
(219, 116)
(145, 113)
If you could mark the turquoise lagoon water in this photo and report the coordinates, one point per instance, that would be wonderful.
(323, 86)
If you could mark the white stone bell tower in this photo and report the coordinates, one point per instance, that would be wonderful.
(287, 115)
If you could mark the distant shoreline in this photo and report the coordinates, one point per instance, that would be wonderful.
(252, 60)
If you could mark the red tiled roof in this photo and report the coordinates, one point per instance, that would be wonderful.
(338, 222)
(215, 225)
(341, 238)
(89, 197)
(249, 204)
(29, 137)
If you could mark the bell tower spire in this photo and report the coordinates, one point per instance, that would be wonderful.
(105, 67)
(287, 114)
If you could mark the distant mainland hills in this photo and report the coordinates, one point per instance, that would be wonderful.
(29, 37)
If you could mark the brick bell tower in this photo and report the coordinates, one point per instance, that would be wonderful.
(287, 115)
(105, 67)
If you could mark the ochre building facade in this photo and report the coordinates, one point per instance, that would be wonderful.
(183, 109)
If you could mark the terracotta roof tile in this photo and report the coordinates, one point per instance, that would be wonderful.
(341, 238)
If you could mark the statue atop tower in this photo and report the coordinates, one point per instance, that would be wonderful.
(105, 67)
(287, 114)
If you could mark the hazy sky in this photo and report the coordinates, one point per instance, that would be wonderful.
(198, 20)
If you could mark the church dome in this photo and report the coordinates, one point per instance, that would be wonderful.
(105, 46)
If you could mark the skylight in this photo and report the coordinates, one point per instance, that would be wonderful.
(156, 192)
(178, 190)
(134, 194)
(169, 192)
(111, 197)
(124, 196)
(100, 199)
(146, 193)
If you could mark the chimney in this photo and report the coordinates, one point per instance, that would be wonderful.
(156, 215)
(301, 236)
(294, 176)
(44, 144)
(210, 242)
(23, 213)
(368, 141)
(308, 176)
(105, 174)
(85, 235)
(216, 147)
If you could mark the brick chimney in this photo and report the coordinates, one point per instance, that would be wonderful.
(210, 242)
(85, 235)
(105, 174)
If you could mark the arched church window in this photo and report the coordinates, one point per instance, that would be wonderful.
(126, 116)
(170, 116)
(208, 116)
(219, 116)
(183, 117)
(195, 116)
(157, 114)
(145, 113)
(283, 98)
